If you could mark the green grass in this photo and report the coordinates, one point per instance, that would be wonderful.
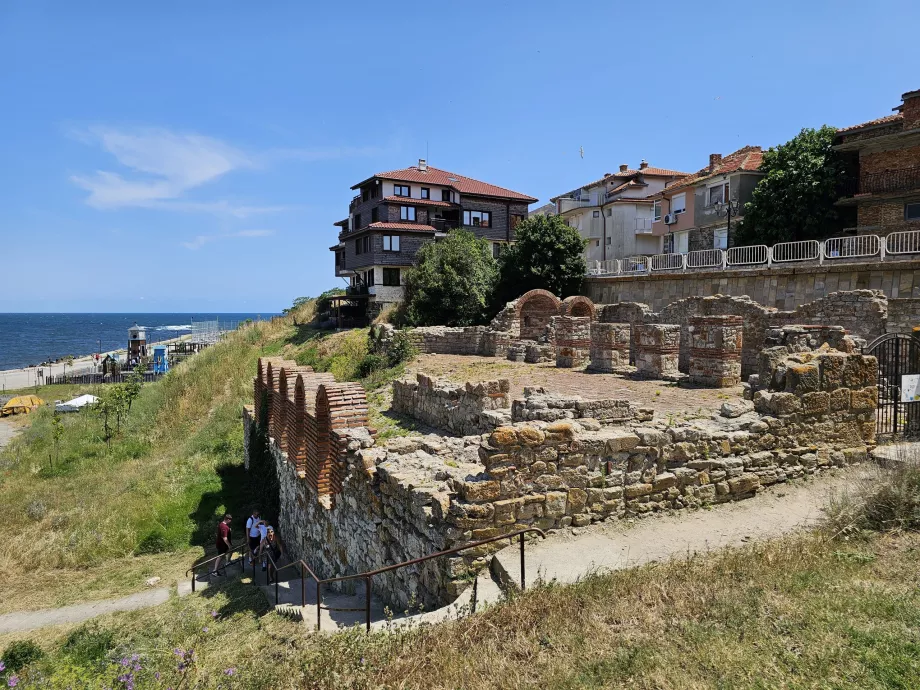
(799, 612)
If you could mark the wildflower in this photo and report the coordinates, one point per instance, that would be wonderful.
(214, 614)
(2, 667)
(13, 681)
(230, 671)
(204, 629)
(157, 675)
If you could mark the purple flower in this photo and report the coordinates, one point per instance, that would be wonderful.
(204, 629)
(2, 667)
(214, 614)
(13, 681)
(157, 675)
(230, 671)
(178, 652)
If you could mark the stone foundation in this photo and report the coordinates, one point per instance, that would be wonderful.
(715, 350)
(609, 346)
(573, 340)
(657, 350)
(473, 408)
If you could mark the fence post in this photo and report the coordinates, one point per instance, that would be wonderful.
(724, 253)
(882, 246)
(769, 257)
(367, 601)
(523, 584)
(319, 604)
(683, 262)
(821, 252)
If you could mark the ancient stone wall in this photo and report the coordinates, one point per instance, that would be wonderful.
(538, 404)
(464, 410)
(610, 344)
(657, 350)
(715, 350)
(573, 340)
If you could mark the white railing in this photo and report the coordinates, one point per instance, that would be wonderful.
(903, 242)
(635, 264)
(667, 262)
(852, 247)
(807, 250)
(747, 256)
(856, 247)
(704, 258)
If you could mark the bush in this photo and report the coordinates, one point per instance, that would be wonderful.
(884, 502)
(372, 363)
(154, 541)
(20, 654)
(89, 644)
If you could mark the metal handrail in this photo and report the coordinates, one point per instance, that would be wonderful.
(366, 576)
(191, 571)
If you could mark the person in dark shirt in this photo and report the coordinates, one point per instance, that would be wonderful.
(223, 543)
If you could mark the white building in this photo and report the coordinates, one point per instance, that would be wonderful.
(614, 213)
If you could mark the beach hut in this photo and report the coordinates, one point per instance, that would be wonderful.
(160, 360)
(21, 404)
(137, 342)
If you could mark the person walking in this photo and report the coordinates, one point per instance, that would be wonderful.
(253, 533)
(223, 544)
(272, 546)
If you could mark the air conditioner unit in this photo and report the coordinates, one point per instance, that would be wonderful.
(670, 218)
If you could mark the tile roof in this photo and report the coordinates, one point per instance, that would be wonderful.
(652, 172)
(414, 227)
(417, 202)
(747, 158)
(464, 185)
(878, 121)
(630, 184)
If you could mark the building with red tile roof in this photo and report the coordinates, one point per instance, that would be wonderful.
(884, 155)
(398, 211)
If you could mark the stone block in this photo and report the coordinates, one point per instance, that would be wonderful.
(555, 505)
(637, 490)
(480, 492)
(621, 441)
(840, 399)
(503, 437)
(506, 510)
(832, 366)
(744, 484)
(576, 500)
(802, 378)
(664, 480)
(864, 399)
(818, 402)
(531, 436)
(785, 403)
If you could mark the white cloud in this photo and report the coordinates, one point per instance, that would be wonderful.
(201, 240)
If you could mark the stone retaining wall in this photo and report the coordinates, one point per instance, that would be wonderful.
(472, 408)
(715, 350)
(610, 344)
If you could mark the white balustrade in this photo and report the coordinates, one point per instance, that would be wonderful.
(667, 262)
(907, 242)
(635, 264)
(806, 250)
(852, 247)
(704, 258)
(747, 256)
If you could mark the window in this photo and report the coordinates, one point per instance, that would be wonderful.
(445, 195)
(718, 194)
(391, 243)
(374, 214)
(391, 277)
(911, 211)
(608, 240)
(656, 210)
(369, 278)
(402, 190)
(374, 192)
(357, 222)
(679, 203)
(596, 214)
(597, 243)
(515, 221)
(477, 219)
(497, 249)
(365, 193)
(407, 213)
(609, 212)
(681, 240)
(358, 245)
(426, 193)
(720, 238)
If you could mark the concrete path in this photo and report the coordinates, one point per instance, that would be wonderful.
(21, 621)
(565, 557)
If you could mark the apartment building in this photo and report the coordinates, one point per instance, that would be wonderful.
(884, 156)
(614, 213)
(395, 213)
(701, 210)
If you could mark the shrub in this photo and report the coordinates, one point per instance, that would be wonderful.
(887, 501)
(89, 644)
(372, 363)
(155, 541)
(21, 653)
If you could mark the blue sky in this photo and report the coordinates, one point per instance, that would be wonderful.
(192, 156)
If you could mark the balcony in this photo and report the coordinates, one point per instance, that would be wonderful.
(442, 225)
(567, 204)
(354, 203)
(356, 290)
(887, 182)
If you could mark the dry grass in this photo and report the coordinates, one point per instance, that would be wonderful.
(800, 612)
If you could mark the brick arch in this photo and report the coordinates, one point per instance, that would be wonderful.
(338, 406)
(281, 401)
(578, 305)
(269, 399)
(258, 385)
(297, 436)
(533, 310)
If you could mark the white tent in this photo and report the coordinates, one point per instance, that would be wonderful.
(76, 403)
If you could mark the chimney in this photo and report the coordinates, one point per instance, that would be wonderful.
(422, 165)
(643, 165)
(910, 108)
(715, 159)
(606, 175)
(624, 167)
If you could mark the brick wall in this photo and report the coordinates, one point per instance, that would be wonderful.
(881, 161)
(886, 217)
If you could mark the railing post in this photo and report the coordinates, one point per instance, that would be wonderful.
(303, 587)
(367, 602)
(683, 262)
(475, 594)
(523, 582)
(193, 580)
(882, 246)
(821, 252)
(724, 255)
(769, 256)
(276, 582)
(319, 604)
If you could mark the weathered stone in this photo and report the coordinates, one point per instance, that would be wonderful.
(744, 484)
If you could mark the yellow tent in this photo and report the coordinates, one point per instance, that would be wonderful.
(22, 404)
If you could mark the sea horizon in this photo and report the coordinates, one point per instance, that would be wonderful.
(30, 338)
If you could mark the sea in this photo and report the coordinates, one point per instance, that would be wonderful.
(27, 339)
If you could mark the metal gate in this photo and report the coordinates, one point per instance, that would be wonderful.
(898, 356)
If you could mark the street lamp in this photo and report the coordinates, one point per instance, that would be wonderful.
(729, 208)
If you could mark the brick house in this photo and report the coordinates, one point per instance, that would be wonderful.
(396, 212)
(884, 155)
(692, 213)
(614, 212)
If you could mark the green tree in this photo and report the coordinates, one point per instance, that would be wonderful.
(795, 198)
(133, 384)
(112, 407)
(57, 433)
(548, 254)
(452, 282)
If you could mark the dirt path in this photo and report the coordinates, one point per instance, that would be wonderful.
(613, 546)
(7, 431)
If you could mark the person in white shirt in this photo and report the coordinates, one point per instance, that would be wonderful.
(254, 532)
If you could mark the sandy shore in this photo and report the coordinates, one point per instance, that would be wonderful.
(14, 379)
